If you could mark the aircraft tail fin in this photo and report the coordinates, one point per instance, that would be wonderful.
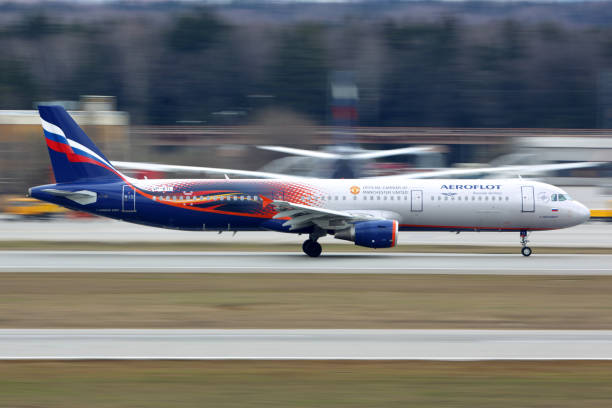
(74, 156)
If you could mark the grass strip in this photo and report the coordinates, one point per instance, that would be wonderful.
(221, 384)
(269, 301)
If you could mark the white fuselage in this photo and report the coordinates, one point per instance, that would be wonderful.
(457, 204)
(438, 204)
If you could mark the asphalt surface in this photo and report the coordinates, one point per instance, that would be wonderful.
(306, 344)
(297, 262)
(593, 234)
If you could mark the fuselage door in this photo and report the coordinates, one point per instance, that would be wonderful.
(128, 199)
(416, 200)
(528, 199)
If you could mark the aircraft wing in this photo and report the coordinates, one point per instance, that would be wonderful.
(359, 155)
(196, 169)
(302, 152)
(446, 173)
(302, 216)
(375, 154)
(511, 170)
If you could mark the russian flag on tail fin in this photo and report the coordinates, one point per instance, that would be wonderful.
(74, 156)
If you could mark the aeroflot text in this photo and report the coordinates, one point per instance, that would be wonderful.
(471, 186)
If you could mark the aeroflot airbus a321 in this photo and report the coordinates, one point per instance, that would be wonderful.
(368, 212)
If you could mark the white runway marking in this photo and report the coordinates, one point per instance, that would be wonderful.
(295, 262)
(307, 344)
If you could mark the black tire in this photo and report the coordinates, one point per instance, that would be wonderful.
(526, 251)
(312, 248)
(306, 246)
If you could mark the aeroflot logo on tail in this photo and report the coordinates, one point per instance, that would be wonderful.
(471, 186)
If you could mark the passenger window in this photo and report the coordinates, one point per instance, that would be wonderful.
(445, 198)
(385, 198)
(378, 198)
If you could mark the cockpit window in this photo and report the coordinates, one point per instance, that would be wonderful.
(560, 197)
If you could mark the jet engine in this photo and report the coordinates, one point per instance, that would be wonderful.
(371, 234)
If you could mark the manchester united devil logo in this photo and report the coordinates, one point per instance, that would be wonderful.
(355, 190)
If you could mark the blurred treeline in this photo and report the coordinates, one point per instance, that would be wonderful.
(227, 65)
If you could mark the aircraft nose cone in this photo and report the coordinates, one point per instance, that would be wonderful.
(582, 213)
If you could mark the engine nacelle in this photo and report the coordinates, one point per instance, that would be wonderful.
(371, 234)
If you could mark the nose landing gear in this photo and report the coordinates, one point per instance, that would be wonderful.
(526, 251)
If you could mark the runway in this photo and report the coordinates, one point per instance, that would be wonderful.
(283, 262)
(307, 344)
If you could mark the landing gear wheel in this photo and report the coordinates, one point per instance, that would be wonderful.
(311, 248)
(526, 251)
(306, 245)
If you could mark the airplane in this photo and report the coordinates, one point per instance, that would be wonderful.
(336, 161)
(369, 212)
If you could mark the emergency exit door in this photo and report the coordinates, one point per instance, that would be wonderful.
(416, 200)
(528, 199)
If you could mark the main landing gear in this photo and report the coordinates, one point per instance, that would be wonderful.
(311, 247)
(526, 251)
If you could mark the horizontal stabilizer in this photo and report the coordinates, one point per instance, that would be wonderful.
(82, 197)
